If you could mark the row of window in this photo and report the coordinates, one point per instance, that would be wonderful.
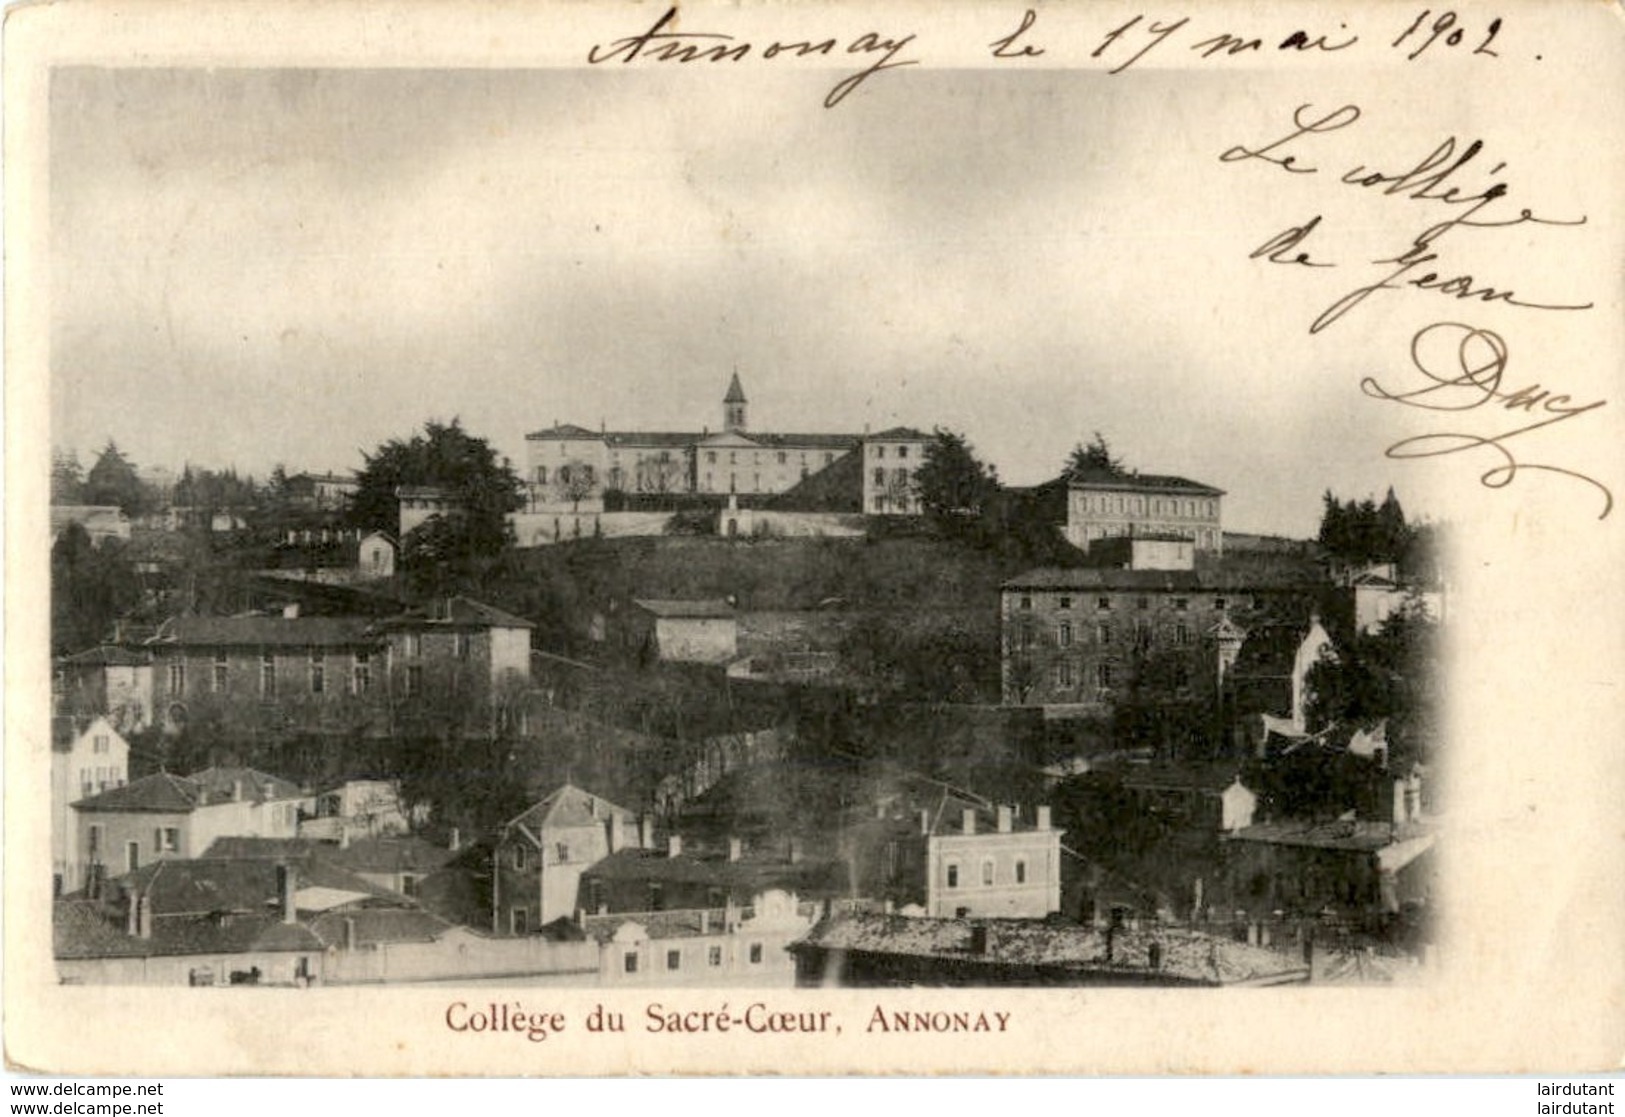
(899, 476)
(1065, 675)
(103, 777)
(880, 451)
(1018, 873)
(1109, 504)
(632, 959)
(1140, 634)
(1105, 603)
(360, 668)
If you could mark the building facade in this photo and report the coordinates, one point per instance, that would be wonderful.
(890, 461)
(540, 855)
(1010, 869)
(164, 817)
(88, 756)
(1080, 638)
(569, 467)
(1110, 505)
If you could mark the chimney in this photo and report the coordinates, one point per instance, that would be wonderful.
(646, 832)
(344, 835)
(735, 848)
(132, 918)
(285, 884)
(674, 845)
(795, 851)
(925, 823)
(705, 921)
(612, 834)
(1004, 820)
(236, 791)
(454, 841)
(349, 933)
(968, 822)
(1043, 816)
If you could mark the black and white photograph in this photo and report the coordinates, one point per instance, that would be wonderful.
(669, 536)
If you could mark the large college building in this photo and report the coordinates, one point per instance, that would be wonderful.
(568, 464)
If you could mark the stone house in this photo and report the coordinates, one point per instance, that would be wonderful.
(166, 817)
(540, 855)
(699, 631)
(108, 680)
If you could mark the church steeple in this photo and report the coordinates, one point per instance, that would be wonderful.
(733, 406)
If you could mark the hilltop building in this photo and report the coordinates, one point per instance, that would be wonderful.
(571, 468)
(1109, 504)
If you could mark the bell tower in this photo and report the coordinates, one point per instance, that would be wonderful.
(733, 407)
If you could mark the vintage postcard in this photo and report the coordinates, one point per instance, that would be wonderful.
(831, 538)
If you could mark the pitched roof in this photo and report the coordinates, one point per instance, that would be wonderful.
(1204, 778)
(563, 431)
(908, 433)
(1138, 482)
(409, 854)
(158, 792)
(221, 784)
(566, 806)
(232, 906)
(697, 608)
(658, 439)
(455, 612)
(736, 393)
(262, 631)
(107, 655)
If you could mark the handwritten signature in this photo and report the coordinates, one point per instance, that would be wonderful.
(1475, 382)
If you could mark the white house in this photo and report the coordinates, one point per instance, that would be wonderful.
(88, 757)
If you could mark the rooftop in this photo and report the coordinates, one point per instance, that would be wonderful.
(456, 612)
(568, 806)
(1138, 482)
(107, 655)
(164, 792)
(262, 631)
(699, 608)
(1187, 957)
(1208, 580)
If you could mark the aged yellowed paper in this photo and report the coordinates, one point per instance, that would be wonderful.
(1294, 250)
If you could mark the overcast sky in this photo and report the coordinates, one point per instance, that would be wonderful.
(257, 266)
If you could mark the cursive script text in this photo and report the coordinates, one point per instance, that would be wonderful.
(1474, 363)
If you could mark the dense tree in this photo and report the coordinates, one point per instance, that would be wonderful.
(953, 484)
(91, 587)
(67, 478)
(1387, 674)
(1364, 532)
(1092, 460)
(480, 488)
(114, 481)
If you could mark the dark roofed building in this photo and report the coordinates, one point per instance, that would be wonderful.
(1103, 503)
